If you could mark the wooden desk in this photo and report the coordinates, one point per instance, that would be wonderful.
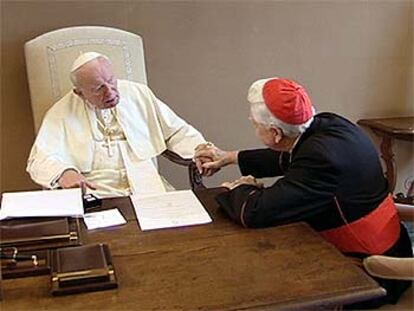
(218, 266)
(389, 129)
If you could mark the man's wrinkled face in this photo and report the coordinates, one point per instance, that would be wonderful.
(96, 83)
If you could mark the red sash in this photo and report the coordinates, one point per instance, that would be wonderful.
(372, 234)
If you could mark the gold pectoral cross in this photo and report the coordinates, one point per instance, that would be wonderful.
(108, 133)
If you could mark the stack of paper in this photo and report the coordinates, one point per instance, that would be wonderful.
(169, 209)
(46, 203)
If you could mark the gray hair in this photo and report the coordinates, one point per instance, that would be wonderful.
(262, 115)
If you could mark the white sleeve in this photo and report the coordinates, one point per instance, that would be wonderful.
(180, 137)
(45, 164)
(45, 169)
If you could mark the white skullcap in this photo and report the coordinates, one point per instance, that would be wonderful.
(255, 93)
(85, 58)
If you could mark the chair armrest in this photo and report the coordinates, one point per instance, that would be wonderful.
(196, 180)
(406, 211)
(390, 267)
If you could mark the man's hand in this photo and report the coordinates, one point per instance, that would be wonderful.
(209, 159)
(72, 179)
(244, 180)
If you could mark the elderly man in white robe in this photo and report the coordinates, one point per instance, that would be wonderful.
(105, 134)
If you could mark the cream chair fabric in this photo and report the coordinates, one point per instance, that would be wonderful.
(50, 56)
(390, 267)
(395, 268)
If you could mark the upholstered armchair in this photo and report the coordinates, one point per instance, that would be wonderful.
(48, 61)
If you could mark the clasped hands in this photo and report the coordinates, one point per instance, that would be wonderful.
(209, 159)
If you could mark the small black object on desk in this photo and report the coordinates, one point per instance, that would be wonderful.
(90, 202)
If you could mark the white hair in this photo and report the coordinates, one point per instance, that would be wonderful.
(73, 78)
(262, 115)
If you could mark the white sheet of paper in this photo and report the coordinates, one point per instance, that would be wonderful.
(103, 219)
(42, 203)
(168, 210)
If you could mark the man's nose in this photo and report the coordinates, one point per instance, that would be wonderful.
(109, 89)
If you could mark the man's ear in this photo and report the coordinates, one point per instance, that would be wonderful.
(277, 134)
(77, 92)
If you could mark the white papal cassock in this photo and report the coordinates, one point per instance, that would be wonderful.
(114, 148)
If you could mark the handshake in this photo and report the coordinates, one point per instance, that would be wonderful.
(209, 159)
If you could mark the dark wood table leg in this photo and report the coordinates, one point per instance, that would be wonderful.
(388, 156)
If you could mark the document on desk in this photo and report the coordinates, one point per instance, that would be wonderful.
(42, 203)
(103, 219)
(169, 209)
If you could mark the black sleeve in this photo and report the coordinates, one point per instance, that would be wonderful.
(262, 162)
(232, 202)
(306, 189)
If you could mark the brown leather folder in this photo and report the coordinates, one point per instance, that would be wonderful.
(82, 269)
(25, 243)
(1, 288)
(36, 234)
